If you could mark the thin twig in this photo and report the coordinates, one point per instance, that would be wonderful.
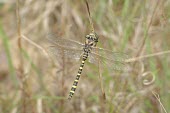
(101, 81)
(62, 82)
(21, 58)
(36, 45)
(19, 36)
(90, 18)
(146, 34)
(101, 86)
(159, 100)
(146, 56)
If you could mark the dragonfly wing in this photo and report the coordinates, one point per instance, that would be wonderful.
(114, 56)
(107, 63)
(59, 51)
(55, 40)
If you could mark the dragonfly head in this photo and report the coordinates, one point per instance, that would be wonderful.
(92, 39)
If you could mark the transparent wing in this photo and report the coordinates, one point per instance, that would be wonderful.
(55, 40)
(59, 51)
(114, 56)
(109, 59)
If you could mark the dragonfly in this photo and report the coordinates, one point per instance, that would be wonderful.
(76, 50)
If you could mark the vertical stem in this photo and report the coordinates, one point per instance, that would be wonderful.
(147, 30)
(19, 33)
(62, 82)
(90, 18)
(101, 83)
(20, 68)
(102, 89)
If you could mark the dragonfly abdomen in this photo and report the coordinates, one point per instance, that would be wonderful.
(75, 83)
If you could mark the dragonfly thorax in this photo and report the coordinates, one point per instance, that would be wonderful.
(87, 48)
(91, 40)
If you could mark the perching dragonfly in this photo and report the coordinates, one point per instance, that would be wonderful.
(88, 50)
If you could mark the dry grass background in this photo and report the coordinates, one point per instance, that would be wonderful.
(31, 81)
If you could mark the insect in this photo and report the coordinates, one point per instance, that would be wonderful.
(88, 50)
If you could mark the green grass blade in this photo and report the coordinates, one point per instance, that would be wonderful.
(6, 45)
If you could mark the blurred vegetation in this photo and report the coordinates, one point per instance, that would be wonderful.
(31, 81)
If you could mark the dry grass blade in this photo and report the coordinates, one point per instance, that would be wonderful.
(147, 56)
(21, 68)
(90, 18)
(148, 28)
(159, 100)
(36, 45)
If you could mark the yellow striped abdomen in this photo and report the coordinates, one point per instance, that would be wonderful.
(73, 88)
